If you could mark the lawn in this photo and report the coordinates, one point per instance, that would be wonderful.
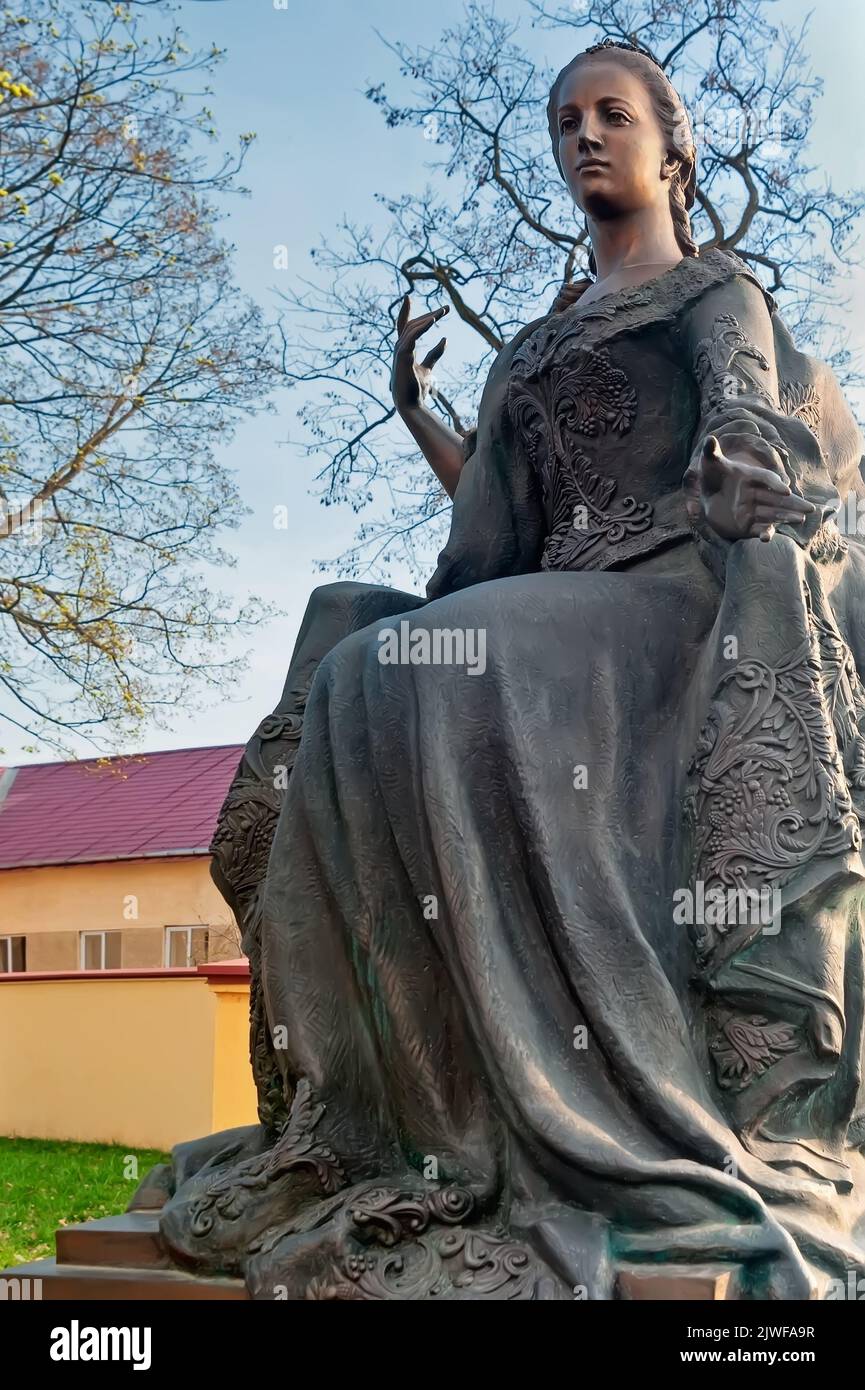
(45, 1184)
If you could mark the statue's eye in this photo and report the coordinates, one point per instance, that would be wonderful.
(566, 121)
(618, 117)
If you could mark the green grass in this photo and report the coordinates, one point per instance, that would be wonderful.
(45, 1184)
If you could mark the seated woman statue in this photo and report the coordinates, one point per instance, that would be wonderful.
(551, 882)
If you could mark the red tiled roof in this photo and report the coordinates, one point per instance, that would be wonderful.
(144, 806)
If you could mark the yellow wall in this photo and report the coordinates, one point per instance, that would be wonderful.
(92, 897)
(145, 1063)
(140, 897)
(233, 1088)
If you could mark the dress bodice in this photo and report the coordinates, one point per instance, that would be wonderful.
(591, 420)
(606, 403)
(607, 432)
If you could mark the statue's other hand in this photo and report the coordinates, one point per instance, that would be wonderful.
(741, 490)
(411, 381)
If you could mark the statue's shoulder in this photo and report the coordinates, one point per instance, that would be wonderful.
(712, 271)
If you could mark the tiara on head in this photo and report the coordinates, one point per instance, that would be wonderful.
(628, 46)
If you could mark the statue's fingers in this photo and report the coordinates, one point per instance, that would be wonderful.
(789, 501)
(761, 531)
(711, 447)
(433, 356)
(770, 512)
(404, 312)
(717, 467)
(711, 464)
(770, 458)
(420, 325)
(758, 478)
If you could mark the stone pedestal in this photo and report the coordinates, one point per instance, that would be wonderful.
(116, 1257)
(123, 1257)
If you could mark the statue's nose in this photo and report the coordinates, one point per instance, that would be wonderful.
(589, 137)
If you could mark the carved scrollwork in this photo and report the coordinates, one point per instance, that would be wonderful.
(801, 400)
(229, 1194)
(776, 760)
(395, 1241)
(745, 1047)
(584, 392)
(719, 364)
(398, 1242)
(240, 849)
(559, 394)
(433, 1254)
(584, 514)
(386, 1215)
(247, 819)
(444, 1264)
(242, 839)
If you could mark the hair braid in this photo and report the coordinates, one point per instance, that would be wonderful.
(681, 218)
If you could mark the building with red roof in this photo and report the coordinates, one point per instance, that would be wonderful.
(104, 863)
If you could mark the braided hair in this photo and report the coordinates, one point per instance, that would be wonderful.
(672, 117)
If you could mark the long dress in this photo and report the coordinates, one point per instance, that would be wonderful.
(516, 987)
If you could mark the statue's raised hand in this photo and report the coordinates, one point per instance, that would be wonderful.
(741, 490)
(411, 380)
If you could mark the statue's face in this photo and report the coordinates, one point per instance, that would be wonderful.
(605, 113)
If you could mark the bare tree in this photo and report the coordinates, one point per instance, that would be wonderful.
(127, 354)
(500, 238)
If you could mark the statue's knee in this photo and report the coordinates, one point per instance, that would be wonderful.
(335, 597)
(329, 616)
(345, 606)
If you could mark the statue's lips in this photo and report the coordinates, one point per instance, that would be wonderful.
(592, 165)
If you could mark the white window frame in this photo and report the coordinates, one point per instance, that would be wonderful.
(6, 942)
(166, 953)
(82, 948)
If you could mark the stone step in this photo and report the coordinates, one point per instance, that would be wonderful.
(130, 1240)
(51, 1281)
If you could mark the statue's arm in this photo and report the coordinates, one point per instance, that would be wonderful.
(497, 524)
(442, 447)
(730, 341)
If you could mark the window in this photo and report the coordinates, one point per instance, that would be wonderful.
(185, 946)
(100, 950)
(13, 954)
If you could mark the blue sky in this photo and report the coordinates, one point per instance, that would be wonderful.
(296, 76)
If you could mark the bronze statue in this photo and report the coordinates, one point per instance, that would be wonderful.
(515, 1019)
